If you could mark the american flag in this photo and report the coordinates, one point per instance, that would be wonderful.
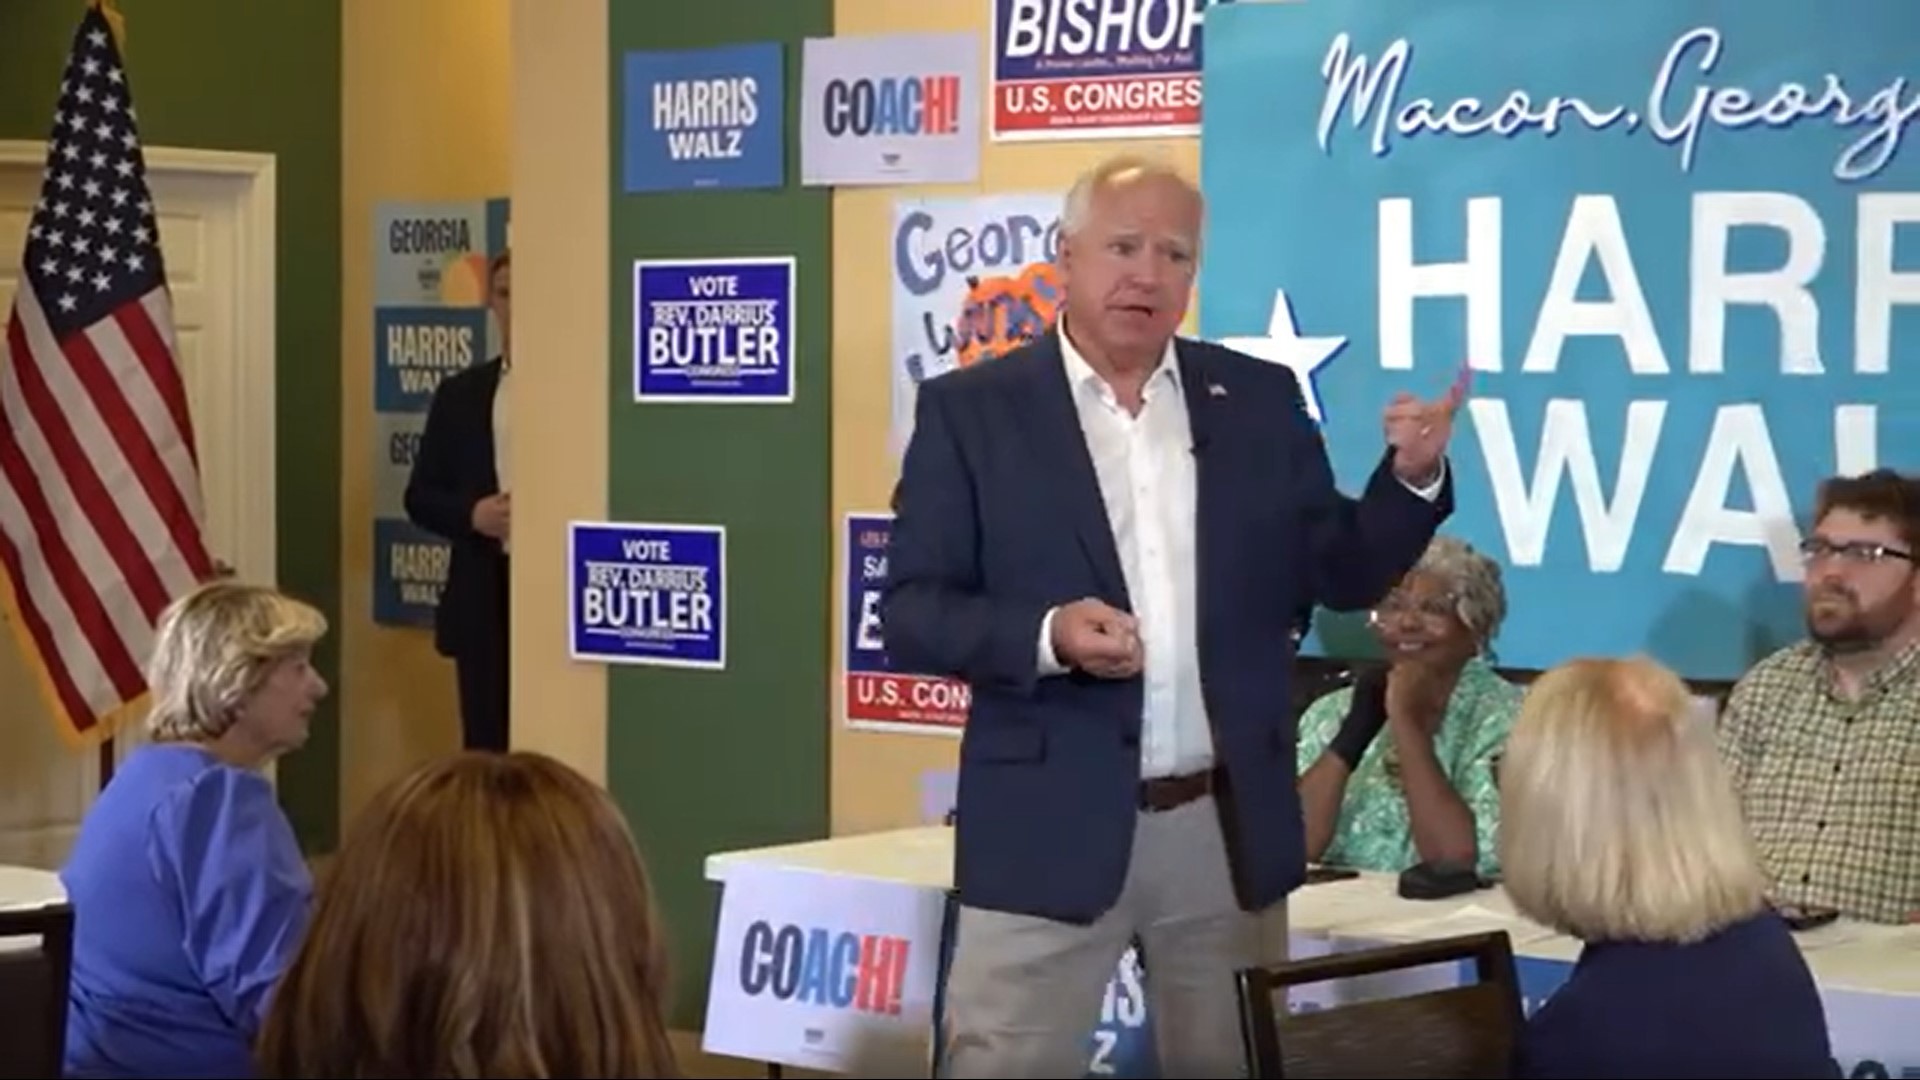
(100, 505)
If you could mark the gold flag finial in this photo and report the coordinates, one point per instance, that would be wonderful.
(116, 22)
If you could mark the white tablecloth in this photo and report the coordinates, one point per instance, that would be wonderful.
(23, 888)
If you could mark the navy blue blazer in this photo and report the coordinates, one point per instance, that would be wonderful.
(998, 518)
(453, 470)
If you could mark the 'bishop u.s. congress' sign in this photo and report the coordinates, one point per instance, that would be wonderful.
(1679, 243)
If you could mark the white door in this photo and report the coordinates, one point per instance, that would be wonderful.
(216, 234)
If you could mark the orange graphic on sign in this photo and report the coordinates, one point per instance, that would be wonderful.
(1002, 313)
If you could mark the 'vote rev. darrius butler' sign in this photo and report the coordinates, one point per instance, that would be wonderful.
(648, 593)
(714, 330)
(1679, 244)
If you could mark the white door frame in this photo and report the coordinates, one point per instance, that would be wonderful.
(255, 558)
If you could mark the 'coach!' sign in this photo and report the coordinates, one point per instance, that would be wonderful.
(824, 971)
(1681, 253)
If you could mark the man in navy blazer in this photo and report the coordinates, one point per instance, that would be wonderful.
(1111, 535)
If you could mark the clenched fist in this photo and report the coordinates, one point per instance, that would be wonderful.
(1097, 638)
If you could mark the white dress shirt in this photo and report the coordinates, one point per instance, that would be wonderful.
(1145, 466)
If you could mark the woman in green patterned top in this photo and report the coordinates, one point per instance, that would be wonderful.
(1399, 769)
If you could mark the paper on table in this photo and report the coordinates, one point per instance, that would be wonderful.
(1826, 937)
(1334, 905)
(1469, 919)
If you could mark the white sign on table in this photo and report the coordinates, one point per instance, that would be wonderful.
(824, 971)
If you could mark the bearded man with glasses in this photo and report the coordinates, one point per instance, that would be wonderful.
(1823, 737)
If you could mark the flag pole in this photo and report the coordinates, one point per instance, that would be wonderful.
(117, 26)
(85, 633)
(116, 22)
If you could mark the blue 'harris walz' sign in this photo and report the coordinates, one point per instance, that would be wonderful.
(648, 594)
(1678, 243)
(1122, 1042)
(704, 118)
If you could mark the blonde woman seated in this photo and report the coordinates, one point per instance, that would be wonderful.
(188, 888)
(1398, 770)
(486, 916)
(1621, 828)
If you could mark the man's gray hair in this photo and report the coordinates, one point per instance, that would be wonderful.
(1079, 202)
(1473, 580)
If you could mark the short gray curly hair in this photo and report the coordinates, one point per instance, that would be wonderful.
(1473, 580)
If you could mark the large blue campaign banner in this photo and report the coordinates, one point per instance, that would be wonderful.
(430, 320)
(704, 118)
(1668, 238)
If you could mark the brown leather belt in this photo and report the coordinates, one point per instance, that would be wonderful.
(1172, 792)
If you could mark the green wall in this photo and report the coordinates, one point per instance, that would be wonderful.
(263, 77)
(711, 761)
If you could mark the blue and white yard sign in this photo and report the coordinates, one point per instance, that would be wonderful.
(1668, 237)
(704, 118)
(713, 330)
(1121, 1043)
(430, 321)
(648, 594)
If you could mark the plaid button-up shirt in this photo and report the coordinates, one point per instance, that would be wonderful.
(1830, 784)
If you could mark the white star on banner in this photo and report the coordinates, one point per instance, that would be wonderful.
(1283, 345)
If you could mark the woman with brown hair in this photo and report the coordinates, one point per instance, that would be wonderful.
(487, 916)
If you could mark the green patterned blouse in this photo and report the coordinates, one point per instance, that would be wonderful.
(1373, 832)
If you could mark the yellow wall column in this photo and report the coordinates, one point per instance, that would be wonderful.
(560, 161)
(424, 115)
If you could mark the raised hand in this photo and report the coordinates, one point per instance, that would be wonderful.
(1419, 430)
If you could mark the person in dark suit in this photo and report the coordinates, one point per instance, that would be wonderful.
(1110, 534)
(459, 490)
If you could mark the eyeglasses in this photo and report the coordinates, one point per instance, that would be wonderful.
(1398, 605)
(1857, 552)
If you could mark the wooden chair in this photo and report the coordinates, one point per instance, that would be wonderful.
(1467, 1031)
(36, 956)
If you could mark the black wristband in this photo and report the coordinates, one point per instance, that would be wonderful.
(1366, 715)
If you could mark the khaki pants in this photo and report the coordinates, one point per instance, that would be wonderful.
(1024, 993)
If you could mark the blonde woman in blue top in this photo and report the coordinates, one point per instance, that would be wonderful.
(189, 891)
(1621, 829)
